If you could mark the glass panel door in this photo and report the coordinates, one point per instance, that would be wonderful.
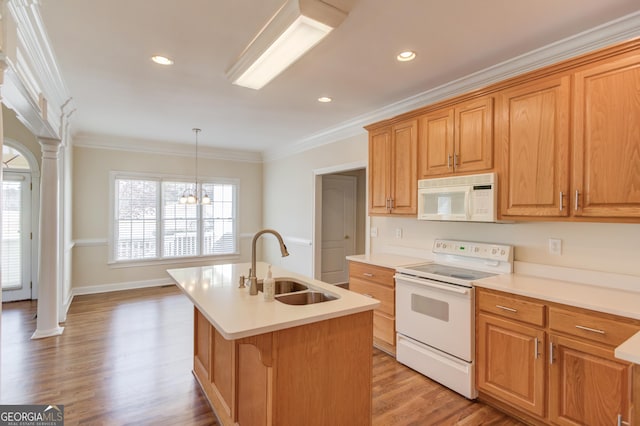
(16, 236)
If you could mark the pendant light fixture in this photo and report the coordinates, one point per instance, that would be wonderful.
(189, 196)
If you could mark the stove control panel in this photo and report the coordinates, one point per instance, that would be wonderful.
(498, 252)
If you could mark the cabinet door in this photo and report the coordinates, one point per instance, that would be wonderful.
(533, 133)
(511, 363)
(404, 179)
(435, 145)
(379, 171)
(473, 142)
(587, 386)
(606, 139)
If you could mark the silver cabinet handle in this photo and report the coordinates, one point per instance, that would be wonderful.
(456, 157)
(368, 274)
(622, 422)
(536, 353)
(593, 330)
(577, 196)
(550, 352)
(504, 308)
(448, 161)
(561, 200)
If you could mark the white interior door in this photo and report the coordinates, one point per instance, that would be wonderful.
(338, 226)
(16, 236)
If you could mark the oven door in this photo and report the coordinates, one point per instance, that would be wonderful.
(437, 314)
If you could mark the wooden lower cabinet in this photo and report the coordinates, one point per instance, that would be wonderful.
(511, 364)
(587, 385)
(377, 282)
(314, 374)
(556, 369)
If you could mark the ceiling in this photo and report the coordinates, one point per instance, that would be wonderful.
(104, 50)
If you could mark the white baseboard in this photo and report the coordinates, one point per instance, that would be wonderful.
(129, 285)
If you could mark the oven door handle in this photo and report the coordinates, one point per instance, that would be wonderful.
(428, 283)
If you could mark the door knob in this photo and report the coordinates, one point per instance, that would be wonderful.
(346, 237)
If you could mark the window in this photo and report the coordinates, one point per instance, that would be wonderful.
(149, 222)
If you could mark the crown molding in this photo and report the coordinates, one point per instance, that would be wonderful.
(622, 29)
(117, 143)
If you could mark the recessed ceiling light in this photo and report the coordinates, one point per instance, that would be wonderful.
(324, 99)
(162, 60)
(407, 55)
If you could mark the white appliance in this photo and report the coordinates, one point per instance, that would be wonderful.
(435, 320)
(471, 198)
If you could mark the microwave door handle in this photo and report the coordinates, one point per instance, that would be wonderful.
(467, 203)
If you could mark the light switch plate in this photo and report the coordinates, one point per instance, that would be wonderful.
(373, 232)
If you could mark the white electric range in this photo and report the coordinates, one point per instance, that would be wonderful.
(435, 320)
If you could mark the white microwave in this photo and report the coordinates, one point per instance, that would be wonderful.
(471, 198)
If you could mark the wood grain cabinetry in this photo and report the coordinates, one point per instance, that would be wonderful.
(315, 374)
(533, 135)
(550, 363)
(534, 123)
(392, 169)
(377, 282)
(510, 351)
(457, 139)
(606, 138)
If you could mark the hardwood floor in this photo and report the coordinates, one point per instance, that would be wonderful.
(126, 358)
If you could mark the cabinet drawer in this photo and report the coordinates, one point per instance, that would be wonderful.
(384, 328)
(378, 274)
(511, 307)
(384, 294)
(591, 325)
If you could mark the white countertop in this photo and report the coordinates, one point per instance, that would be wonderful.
(236, 314)
(629, 350)
(387, 260)
(602, 299)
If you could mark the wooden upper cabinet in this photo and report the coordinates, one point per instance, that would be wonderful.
(473, 147)
(533, 137)
(393, 184)
(379, 170)
(606, 138)
(435, 145)
(457, 139)
(404, 181)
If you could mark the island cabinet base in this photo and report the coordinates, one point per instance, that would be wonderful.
(314, 374)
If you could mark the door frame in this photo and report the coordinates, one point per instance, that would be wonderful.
(34, 169)
(316, 243)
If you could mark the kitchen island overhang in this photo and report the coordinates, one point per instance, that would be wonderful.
(266, 362)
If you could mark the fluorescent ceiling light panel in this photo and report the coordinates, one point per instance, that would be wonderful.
(292, 31)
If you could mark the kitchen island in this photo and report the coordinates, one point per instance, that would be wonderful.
(261, 362)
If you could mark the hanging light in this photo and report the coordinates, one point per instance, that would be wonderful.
(189, 196)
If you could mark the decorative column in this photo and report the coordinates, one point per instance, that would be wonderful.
(47, 323)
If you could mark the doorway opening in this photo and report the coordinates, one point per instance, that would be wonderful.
(18, 253)
(340, 220)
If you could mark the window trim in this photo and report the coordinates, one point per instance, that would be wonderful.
(159, 259)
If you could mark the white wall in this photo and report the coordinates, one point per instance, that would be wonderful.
(289, 208)
(91, 167)
(289, 198)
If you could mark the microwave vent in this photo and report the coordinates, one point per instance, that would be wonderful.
(468, 180)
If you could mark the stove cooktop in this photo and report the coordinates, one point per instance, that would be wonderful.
(433, 270)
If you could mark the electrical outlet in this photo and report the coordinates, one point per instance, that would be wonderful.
(398, 233)
(555, 246)
(373, 232)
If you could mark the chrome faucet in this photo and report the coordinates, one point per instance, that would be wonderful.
(253, 280)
